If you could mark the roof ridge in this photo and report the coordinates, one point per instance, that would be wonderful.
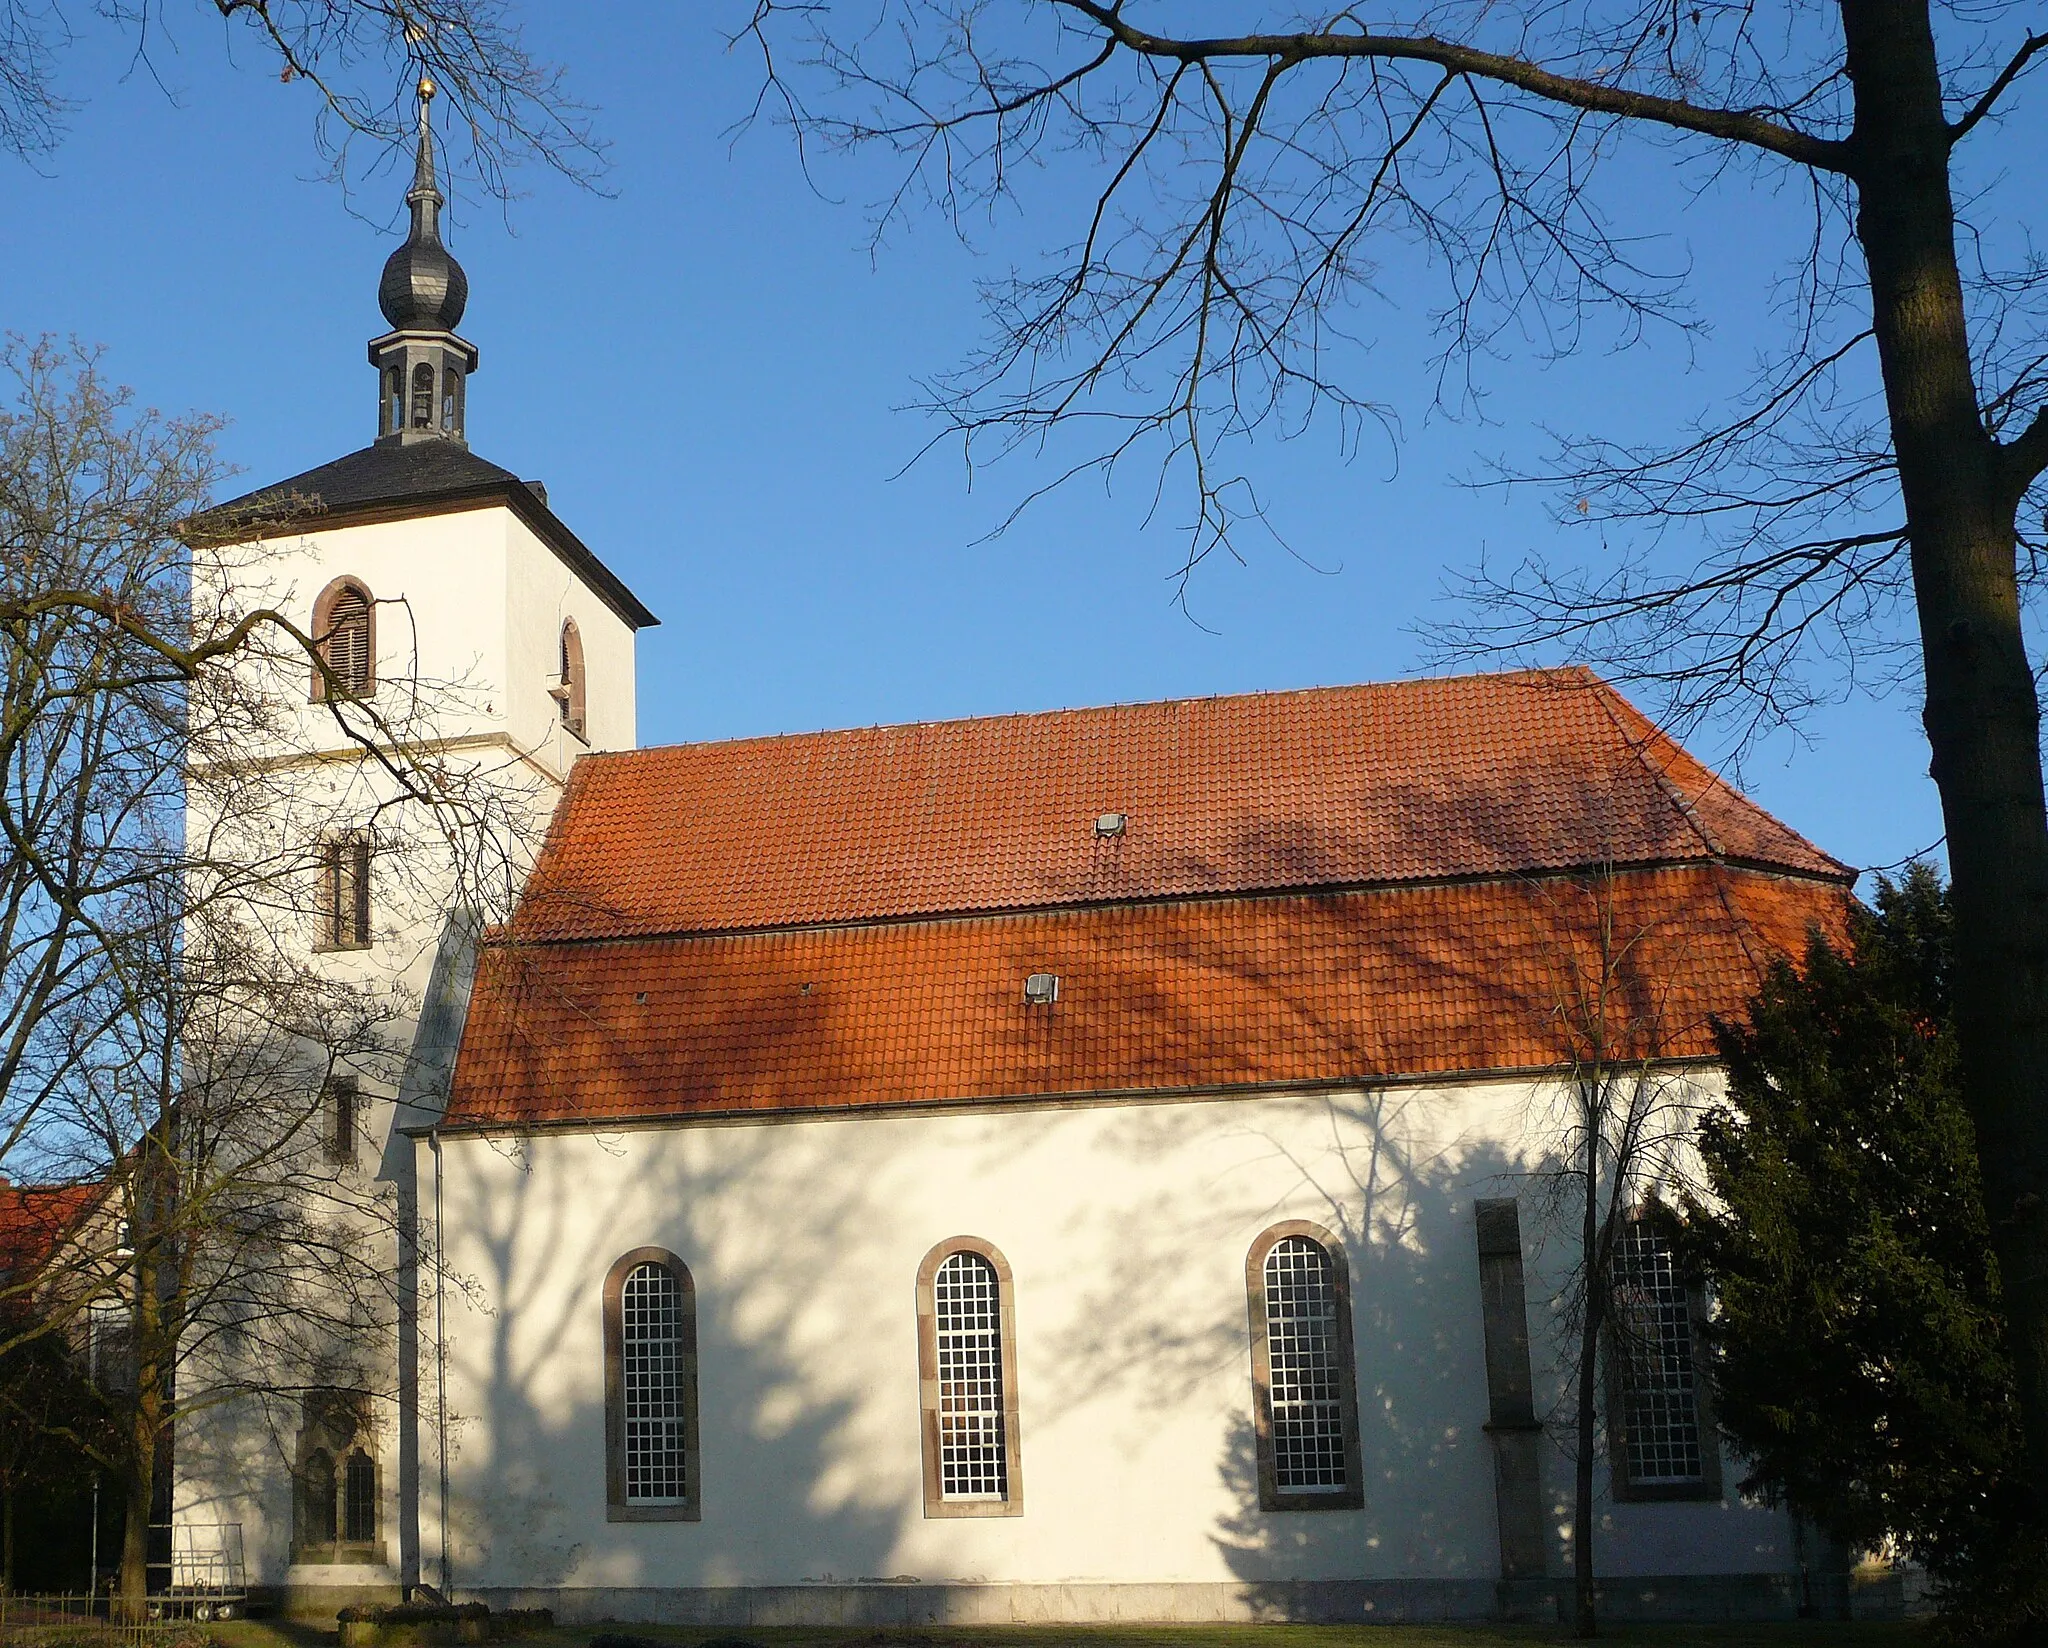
(1659, 775)
(1573, 675)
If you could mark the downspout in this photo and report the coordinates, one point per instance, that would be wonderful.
(440, 1368)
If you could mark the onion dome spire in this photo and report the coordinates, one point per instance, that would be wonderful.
(422, 284)
(422, 366)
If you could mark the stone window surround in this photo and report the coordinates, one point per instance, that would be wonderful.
(1271, 1498)
(935, 1502)
(617, 1508)
(323, 621)
(568, 693)
(343, 1429)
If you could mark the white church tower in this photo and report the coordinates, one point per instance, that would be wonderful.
(473, 634)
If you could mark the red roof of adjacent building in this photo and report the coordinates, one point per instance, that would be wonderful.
(35, 1219)
(1341, 885)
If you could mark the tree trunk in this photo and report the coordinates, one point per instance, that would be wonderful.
(148, 1414)
(1982, 715)
(7, 1539)
(131, 1590)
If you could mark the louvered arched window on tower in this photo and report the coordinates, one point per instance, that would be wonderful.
(568, 693)
(345, 630)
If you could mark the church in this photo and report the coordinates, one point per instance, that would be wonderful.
(1074, 1166)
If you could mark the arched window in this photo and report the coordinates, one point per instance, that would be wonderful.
(337, 1506)
(967, 1359)
(568, 692)
(391, 416)
(1662, 1442)
(1304, 1393)
(650, 1367)
(451, 400)
(345, 631)
(423, 396)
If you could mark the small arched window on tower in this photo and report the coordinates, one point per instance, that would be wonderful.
(451, 400)
(345, 630)
(423, 396)
(392, 417)
(568, 691)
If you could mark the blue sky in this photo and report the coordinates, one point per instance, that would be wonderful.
(704, 365)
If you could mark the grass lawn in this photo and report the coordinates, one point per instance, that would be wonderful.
(276, 1634)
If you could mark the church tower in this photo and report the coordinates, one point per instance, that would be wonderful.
(467, 642)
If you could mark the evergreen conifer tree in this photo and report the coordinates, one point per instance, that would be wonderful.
(1858, 1347)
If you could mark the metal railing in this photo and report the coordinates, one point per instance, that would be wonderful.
(199, 1578)
(87, 1620)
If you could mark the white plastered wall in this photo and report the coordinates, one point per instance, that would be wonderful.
(1126, 1226)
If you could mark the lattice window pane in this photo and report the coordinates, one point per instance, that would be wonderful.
(967, 1306)
(651, 1343)
(1660, 1419)
(1305, 1371)
(359, 1499)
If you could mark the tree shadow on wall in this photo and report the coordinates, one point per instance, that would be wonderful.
(1419, 1352)
(779, 1433)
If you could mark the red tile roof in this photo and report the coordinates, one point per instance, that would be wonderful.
(1340, 786)
(1340, 885)
(1184, 995)
(35, 1219)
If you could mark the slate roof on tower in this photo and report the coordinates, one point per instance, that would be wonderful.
(1337, 886)
(386, 473)
(394, 482)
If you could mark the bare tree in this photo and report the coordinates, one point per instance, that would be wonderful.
(253, 1255)
(1885, 465)
(1621, 1119)
(358, 59)
(171, 807)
